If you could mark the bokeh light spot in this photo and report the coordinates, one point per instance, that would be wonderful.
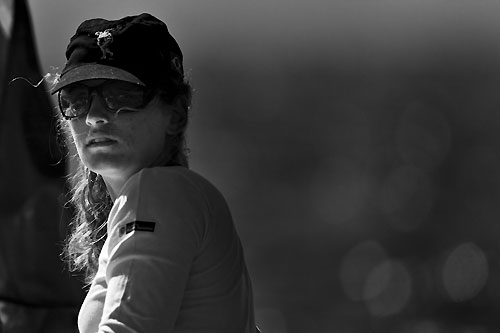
(387, 289)
(341, 192)
(406, 197)
(421, 326)
(423, 136)
(465, 272)
(426, 327)
(357, 264)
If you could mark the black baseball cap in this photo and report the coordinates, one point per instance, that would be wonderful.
(137, 49)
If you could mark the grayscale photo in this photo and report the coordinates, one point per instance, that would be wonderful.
(249, 167)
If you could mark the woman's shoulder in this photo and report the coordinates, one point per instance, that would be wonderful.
(173, 177)
(165, 201)
(170, 172)
(175, 181)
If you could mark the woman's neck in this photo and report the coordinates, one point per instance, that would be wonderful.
(114, 185)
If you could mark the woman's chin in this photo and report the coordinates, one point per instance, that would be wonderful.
(110, 166)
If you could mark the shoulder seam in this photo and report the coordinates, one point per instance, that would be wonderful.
(198, 190)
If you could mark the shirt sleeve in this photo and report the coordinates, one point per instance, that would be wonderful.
(155, 233)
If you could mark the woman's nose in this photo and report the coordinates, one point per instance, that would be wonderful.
(97, 113)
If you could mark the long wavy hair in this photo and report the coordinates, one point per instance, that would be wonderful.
(89, 195)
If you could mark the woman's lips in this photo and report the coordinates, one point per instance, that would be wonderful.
(100, 142)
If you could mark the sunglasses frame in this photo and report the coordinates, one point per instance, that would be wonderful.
(147, 97)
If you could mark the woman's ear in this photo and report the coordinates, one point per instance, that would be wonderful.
(178, 118)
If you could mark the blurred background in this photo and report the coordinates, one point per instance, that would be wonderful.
(357, 144)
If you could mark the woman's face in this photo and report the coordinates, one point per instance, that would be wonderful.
(118, 145)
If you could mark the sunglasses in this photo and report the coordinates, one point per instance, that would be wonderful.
(75, 99)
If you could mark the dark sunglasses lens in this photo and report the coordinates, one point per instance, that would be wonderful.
(118, 95)
(73, 101)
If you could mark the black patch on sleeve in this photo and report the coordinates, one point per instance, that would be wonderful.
(140, 226)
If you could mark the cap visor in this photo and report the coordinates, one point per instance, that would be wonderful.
(94, 71)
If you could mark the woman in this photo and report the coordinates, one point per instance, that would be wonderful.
(157, 240)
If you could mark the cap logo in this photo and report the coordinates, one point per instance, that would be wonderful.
(104, 39)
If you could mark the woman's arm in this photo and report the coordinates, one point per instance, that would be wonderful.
(153, 240)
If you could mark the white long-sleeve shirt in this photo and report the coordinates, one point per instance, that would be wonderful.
(172, 261)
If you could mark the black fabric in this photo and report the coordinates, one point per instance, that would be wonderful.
(37, 293)
(140, 226)
(27, 109)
